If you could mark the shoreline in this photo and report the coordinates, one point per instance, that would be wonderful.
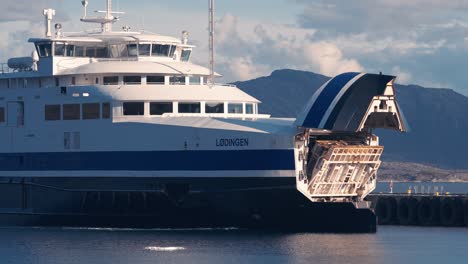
(397, 181)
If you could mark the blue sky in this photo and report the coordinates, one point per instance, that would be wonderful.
(422, 41)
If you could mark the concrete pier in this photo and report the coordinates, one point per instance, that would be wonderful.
(420, 209)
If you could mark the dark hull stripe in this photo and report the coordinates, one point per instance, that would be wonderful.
(233, 160)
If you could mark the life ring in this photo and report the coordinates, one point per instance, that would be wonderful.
(386, 210)
(406, 212)
(428, 211)
(451, 212)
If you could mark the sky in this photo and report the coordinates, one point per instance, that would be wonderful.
(423, 42)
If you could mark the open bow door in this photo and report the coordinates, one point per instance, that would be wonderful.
(354, 102)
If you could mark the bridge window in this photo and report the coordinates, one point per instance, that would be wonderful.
(173, 49)
(175, 80)
(161, 108)
(144, 49)
(101, 52)
(185, 56)
(106, 111)
(132, 50)
(195, 80)
(44, 49)
(117, 51)
(2, 114)
(71, 112)
(80, 51)
(132, 80)
(189, 107)
(161, 50)
(214, 108)
(235, 109)
(59, 49)
(91, 111)
(155, 79)
(70, 50)
(111, 80)
(52, 112)
(249, 109)
(134, 109)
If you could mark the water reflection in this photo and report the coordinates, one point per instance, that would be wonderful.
(390, 245)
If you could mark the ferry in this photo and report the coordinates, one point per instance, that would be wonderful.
(109, 128)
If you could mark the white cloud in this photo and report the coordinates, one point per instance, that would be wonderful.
(404, 77)
(260, 49)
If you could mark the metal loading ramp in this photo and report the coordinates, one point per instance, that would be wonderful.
(340, 171)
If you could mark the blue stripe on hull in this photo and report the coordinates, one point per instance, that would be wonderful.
(150, 161)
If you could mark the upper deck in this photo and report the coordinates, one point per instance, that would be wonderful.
(105, 51)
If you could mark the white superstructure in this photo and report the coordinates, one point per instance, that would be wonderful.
(132, 104)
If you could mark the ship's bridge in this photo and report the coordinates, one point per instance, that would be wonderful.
(72, 51)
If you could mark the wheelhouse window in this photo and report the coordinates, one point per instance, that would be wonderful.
(132, 80)
(71, 112)
(101, 52)
(59, 49)
(52, 112)
(80, 51)
(174, 80)
(161, 50)
(160, 108)
(132, 50)
(235, 109)
(2, 114)
(118, 51)
(195, 80)
(44, 49)
(144, 49)
(189, 108)
(173, 49)
(91, 52)
(106, 111)
(70, 50)
(134, 109)
(249, 109)
(155, 79)
(110, 80)
(185, 56)
(214, 108)
(91, 111)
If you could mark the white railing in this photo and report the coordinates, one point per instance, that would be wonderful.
(5, 69)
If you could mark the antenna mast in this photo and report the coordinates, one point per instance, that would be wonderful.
(108, 26)
(106, 21)
(211, 41)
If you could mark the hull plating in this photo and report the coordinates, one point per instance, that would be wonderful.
(261, 203)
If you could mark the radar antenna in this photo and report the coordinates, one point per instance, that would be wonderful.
(106, 21)
(211, 42)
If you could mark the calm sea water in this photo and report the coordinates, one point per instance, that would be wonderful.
(389, 245)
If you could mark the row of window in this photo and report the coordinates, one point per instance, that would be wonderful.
(136, 80)
(107, 80)
(160, 108)
(111, 51)
(87, 111)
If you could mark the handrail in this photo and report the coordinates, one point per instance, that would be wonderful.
(5, 69)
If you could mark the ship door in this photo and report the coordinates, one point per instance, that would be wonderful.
(15, 112)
